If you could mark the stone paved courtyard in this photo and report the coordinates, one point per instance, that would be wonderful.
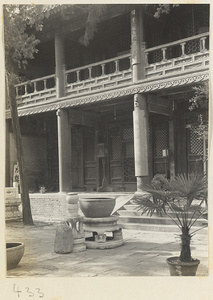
(144, 253)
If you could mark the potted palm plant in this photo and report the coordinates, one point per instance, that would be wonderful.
(182, 200)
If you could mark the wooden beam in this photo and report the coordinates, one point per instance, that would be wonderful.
(79, 117)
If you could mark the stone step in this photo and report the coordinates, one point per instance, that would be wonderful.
(128, 213)
(154, 220)
(121, 201)
(159, 228)
(132, 210)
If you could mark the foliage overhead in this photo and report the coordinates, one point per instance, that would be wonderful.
(201, 96)
(20, 45)
(163, 9)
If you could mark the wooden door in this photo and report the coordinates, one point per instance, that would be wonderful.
(122, 164)
(77, 156)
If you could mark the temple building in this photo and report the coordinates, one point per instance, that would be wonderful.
(110, 115)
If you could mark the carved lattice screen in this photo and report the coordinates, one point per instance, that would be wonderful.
(128, 155)
(161, 141)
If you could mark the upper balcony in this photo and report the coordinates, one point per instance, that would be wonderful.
(189, 55)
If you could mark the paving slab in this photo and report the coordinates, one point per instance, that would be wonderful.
(144, 253)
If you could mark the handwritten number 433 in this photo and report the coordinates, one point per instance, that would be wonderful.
(37, 292)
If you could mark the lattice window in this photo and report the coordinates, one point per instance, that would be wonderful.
(192, 46)
(124, 64)
(161, 141)
(129, 170)
(89, 146)
(72, 77)
(110, 67)
(128, 155)
(96, 71)
(116, 147)
(124, 41)
(196, 142)
(128, 133)
(84, 74)
(129, 150)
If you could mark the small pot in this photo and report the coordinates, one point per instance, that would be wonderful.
(179, 268)
(15, 252)
(97, 207)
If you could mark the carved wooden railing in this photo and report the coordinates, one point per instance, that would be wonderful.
(178, 56)
(100, 75)
(171, 58)
(107, 73)
(36, 90)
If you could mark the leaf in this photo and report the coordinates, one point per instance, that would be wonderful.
(176, 208)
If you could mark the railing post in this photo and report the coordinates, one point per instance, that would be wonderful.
(143, 58)
(90, 73)
(25, 89)
(164, 53)
(130, 62)
(35, 86)
(146, 58)
(66, 79)
(103, 69)
(17, 91)
(116, 66)
(183, 49)
(45, 84)
(78, 75)
(203, 44)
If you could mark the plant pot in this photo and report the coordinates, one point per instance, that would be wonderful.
(72, 198)
(96, 207)
(15, 252)
(178, 268)
(72, 204)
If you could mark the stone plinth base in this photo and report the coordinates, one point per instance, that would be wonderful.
(103, 233)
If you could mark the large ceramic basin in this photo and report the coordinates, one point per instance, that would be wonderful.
(96, 206)
(15, 252)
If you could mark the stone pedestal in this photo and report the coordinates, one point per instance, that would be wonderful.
(102, 233)
(76, 224)
(12, 204)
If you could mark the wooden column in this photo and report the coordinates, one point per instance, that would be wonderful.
(137, 44)
(171, 148)
(64, 151)
(141, 140)
(59, 65)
